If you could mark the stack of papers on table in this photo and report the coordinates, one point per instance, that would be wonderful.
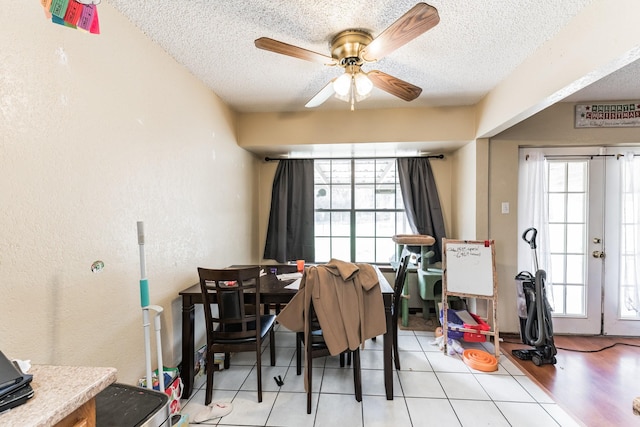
(290, 276)
(295, 284)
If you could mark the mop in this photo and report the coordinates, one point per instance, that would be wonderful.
(144, 302)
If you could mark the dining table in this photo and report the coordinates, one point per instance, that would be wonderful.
(273, 291)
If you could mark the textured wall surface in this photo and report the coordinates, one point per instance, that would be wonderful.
(98, 132)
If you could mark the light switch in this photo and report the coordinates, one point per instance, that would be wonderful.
(505, 207)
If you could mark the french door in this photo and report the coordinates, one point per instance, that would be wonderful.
(589, 285)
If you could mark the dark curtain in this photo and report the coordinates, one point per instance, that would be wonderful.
(421, 201)
(290, 234)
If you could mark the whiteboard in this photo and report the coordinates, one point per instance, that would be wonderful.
(469, 267)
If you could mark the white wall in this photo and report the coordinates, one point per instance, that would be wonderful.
(98, 132)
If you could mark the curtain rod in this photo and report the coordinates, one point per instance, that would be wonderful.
(433, 156)
(581, 156)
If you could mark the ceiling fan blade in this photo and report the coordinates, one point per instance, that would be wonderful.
(291, 50)
(324, 94)
(394, 85)
(417, 20)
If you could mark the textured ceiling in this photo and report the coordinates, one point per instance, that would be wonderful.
(473, 48)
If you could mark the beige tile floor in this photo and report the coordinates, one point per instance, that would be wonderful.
(431, 389)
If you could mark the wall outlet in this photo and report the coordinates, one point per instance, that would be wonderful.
(505, 207)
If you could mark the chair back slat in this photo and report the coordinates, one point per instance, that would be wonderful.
(401, 275)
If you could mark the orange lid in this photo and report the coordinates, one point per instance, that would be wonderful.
(480, 360)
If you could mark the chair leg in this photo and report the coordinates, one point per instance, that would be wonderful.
(227, 360)
(272, 347)
(298, 353)
(209, 369)
(357, 376)
(396, 355)
(259, 369)
(309, 372)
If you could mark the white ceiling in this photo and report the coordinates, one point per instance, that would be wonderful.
(476, 45)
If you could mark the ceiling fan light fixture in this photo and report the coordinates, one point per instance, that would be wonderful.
(342, 84)
(363, 84)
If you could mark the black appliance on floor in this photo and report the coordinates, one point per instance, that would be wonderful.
(536, 327)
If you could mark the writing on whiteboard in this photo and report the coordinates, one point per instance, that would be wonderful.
(464, 251)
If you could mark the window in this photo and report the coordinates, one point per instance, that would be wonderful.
(358, 208)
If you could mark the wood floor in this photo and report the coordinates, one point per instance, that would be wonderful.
(598, 388)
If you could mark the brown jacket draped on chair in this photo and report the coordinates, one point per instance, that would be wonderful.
(347, 300)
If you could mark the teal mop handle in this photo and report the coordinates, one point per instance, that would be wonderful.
(144, 282)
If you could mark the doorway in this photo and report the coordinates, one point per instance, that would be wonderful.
(591, 289)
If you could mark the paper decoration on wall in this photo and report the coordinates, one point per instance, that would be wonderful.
(78, 14)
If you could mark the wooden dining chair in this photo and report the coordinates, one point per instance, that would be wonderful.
(238, 325)
(401, 276)
(317, 347)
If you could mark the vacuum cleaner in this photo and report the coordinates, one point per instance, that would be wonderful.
(536, 327)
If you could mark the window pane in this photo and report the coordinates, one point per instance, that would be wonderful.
(385, 250)
(322, 201)
(341, 248)
(358, 200)
(323, 224)
(323, 249)
(365, 224)
(340, 224)
(365, 248)
(340, 171)
(385, 196)
(385, 222)
(341, 197)
(364, 197)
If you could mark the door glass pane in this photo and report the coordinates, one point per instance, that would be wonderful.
(556, 177)
(567, 198)
(575, 269)
(575, 238)
(556, 207)
(576, 207)
(576, 176)
(556, 238)
(575, 300)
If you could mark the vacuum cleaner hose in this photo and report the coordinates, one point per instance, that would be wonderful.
(538, 327)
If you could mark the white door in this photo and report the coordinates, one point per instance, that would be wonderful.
(620, 305)
(588, 293)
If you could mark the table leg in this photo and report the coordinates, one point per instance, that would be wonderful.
(387, 347)
(188, 350)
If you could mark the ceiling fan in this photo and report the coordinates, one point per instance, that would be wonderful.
(351, 49)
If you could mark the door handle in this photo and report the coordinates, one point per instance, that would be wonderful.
(598, 254)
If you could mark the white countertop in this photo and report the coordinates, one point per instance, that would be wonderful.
(58, 391)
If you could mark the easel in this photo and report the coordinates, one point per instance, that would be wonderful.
(470, 272)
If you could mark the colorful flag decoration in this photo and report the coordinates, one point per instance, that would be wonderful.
(79, 14)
